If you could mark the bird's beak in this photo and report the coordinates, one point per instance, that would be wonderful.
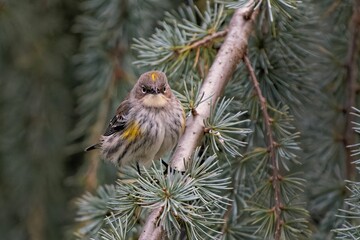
(155, 91)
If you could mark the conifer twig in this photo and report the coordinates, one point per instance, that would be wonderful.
(276, 177)
(206, 40)
(352, 73)
(230, 54)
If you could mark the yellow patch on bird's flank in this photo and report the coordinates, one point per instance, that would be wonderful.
(154, 76)
(131, 132)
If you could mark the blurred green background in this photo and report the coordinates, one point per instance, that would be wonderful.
(64, 67)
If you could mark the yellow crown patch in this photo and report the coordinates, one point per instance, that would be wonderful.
(154, 76)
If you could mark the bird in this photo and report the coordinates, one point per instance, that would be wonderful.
(148, 124)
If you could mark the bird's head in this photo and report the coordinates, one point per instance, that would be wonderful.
(152, 89)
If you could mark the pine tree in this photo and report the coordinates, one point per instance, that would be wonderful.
(241, 183)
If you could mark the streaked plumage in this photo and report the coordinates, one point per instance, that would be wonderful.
(147, 124)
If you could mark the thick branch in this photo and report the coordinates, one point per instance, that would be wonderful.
(230, 54)
(351, 86)
(272, 148)
(151, 230)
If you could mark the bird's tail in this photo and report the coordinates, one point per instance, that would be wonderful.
(92, 147)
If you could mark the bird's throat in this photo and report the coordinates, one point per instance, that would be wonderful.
(155, 100)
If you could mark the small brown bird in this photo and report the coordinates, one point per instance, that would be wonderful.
(147, 124)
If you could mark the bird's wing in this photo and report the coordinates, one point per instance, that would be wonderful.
(118, 122)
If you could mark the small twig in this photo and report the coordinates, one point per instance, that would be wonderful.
(204, 41)
(275, 179)
(331, 9)
(207, 130)
(194, 112)
(226, 218)
(352, 72)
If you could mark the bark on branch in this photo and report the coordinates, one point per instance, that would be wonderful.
(229, 56)
(150, 230)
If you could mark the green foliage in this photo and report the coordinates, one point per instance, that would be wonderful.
(222, 127)
(93, 209)
(190, 199)
(271, 10)
(349, 215)
(191, 97)
(349, 229)
(169, 48)
(117, 230)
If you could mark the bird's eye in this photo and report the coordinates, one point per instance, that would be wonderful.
(164, 89)
(143, 89)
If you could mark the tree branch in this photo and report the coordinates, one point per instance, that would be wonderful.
(351, 86)
(230, 54)
(276, 178)
(205, 40)
(151, 229)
